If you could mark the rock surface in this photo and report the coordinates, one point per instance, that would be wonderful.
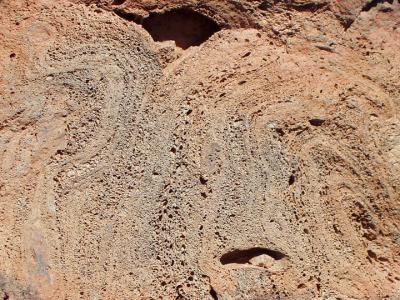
(250, 151)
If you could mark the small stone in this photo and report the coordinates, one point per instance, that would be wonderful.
(264, 261)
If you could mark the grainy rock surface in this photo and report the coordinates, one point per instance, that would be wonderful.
(199, 149)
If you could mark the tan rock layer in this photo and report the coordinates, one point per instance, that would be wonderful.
(261, 164)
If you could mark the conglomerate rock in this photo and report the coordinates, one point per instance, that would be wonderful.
(199, 149)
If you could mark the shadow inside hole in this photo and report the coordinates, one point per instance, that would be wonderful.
(244, 256)
(118, 2)
(184, 26)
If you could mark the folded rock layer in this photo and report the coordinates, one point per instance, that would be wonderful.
(199, 149)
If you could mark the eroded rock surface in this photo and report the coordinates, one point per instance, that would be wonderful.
(199, 149)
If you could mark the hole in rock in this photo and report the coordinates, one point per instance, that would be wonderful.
(203, 180)
(184, 26)
(244, 256)
(316, 122)
(118, 2)
(318, 287)
(213, 294)
(292, 179)
(372, 254)
(132, 17)
(372, 3)
(265, 5)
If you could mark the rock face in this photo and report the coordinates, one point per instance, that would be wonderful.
(199, 149)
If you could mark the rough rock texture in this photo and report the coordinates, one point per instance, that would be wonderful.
(257, 156)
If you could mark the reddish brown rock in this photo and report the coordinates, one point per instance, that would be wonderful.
(199, 150)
